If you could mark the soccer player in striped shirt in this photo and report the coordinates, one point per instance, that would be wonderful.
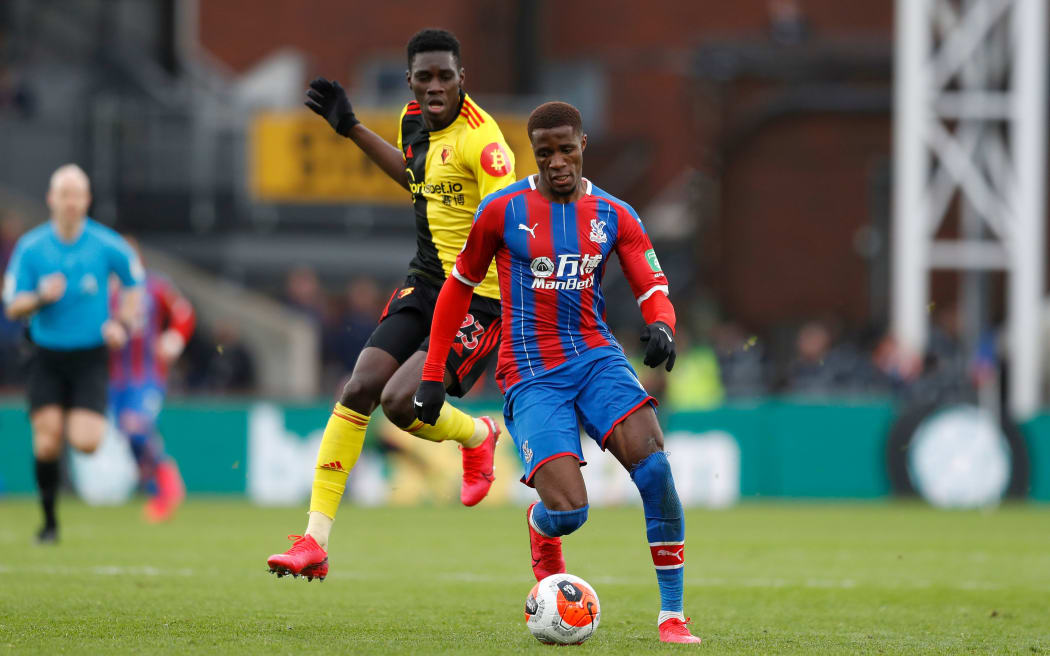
(138, 375)
(551, 236)
(449, 155)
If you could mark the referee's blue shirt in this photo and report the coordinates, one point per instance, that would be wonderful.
(75, 320)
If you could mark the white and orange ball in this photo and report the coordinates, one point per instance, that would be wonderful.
(562, 609)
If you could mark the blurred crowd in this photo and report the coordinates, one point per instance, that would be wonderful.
(723, 360)
(820, 359)
(816, 358)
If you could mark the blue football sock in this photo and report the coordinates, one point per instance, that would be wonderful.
(664, 526)
(148, 454)
(555, 523)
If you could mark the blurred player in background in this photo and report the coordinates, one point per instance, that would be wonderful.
(449, 155)
(57, 278)
(138, 375)
(559, 365)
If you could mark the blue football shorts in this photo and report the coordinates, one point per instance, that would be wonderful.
(135, 407)
(543, 414)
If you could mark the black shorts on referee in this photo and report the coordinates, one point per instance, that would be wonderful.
(404, 328)
(77, 378)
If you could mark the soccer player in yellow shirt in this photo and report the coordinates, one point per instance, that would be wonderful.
(449, 155)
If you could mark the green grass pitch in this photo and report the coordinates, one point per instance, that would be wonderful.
(760, 579)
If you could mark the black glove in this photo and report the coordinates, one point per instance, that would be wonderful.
(659, 344)
(328, 99)
(430, 396)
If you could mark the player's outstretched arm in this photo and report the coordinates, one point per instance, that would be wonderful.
(328, 99)
(452, 305)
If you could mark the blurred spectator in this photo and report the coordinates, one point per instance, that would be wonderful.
(945, 373)
(302, 292)
(346, 336)
(220, 361)
(823, 368)
(741, 361)
(944, 349)
(11, 228)
(894, 362)
(232, 367)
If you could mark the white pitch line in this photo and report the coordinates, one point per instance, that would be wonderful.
(98, 570)
(474, 577)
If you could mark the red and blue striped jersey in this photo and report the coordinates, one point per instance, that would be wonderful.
(164, 308)
(550, 259)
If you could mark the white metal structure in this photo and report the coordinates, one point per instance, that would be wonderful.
(970, 119)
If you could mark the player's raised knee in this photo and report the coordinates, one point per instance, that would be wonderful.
(397, 404)
(567, 521)
(653, 466)
(361, 393)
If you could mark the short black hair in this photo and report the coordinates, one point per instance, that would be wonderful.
(431, 40)
(554, 115)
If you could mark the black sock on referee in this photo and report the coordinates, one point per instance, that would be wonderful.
(47, 479)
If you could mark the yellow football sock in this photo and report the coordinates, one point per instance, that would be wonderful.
(452, 424)
(340, 447)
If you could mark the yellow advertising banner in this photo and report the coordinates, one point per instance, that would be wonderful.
(296, 157)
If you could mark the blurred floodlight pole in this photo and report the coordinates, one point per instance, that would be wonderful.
(962, 127)
(910, 220)
(1026, 288)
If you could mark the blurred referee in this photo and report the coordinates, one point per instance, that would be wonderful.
(58, 278)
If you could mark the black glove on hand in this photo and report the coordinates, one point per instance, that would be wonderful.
(659, 344)
(430, 396)
(328, 99)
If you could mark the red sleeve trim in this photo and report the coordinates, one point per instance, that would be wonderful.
(657, 307)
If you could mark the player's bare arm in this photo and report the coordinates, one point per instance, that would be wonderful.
(385, 155)
(328, 100)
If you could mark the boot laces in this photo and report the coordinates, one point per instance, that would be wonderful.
(680, 624)
(299, 544)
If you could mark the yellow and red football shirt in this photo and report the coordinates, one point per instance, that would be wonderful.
(449, 172)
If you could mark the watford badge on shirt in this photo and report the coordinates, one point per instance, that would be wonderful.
(446, 154)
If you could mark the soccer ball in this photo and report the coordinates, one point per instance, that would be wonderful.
(562, 609)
